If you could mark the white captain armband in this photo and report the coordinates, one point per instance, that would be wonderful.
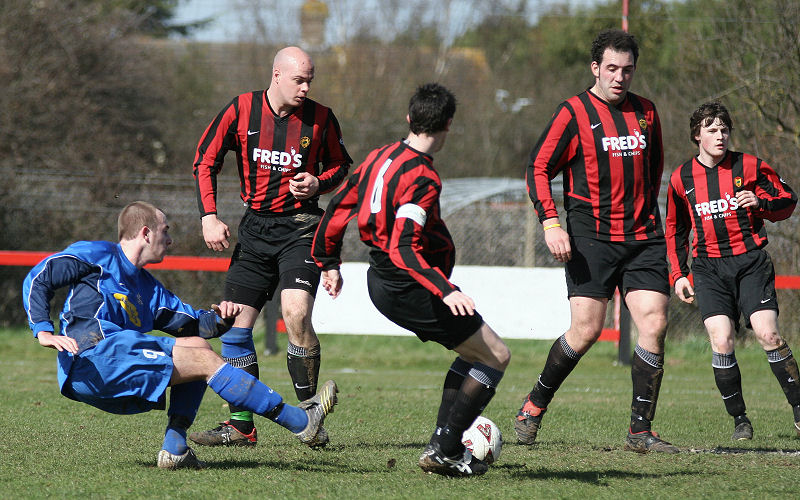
(413, 212)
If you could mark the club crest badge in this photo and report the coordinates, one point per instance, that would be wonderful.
(643, 123)
(304, 141)
(737, 181)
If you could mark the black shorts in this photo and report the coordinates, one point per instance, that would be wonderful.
(411, 306)
(272, 250)
(598, 267)
(732, 285)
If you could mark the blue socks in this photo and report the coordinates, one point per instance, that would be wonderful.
(238, 388)
(292, 418)
(175, 440)
(184, 401)
(237, 343)
(241, 389)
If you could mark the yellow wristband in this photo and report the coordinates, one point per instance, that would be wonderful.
(551, 226)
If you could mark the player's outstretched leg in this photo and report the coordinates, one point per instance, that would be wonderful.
(452, 384)
(243, 390)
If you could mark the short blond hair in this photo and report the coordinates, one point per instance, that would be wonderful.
(135, 216)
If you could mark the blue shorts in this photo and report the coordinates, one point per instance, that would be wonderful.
(126, 373)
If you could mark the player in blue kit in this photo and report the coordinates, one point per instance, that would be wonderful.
(106, 358)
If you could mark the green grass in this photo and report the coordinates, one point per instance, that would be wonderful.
(390, 389)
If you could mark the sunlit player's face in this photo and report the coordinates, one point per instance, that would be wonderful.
(159, 240)
(613, 75)
(712, 141)
(293, 80)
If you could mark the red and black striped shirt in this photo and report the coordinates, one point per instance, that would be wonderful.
(703, 199)
(395, 196)
(270, 150)
(611, 159)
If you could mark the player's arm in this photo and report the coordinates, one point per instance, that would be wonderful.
(303, 185)
(547, 158)
(173, 316)
(218, 138)
(39, 286)
(215, 232)
(326, 247)
(550, 154)
(677, 227)
(772, 199)
(406, 244)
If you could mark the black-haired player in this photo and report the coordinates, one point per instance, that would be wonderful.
(394, 194)
(606, 142)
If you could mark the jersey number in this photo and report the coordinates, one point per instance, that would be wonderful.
(150, 354)
(377, 189)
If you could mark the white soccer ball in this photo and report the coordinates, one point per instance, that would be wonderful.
(483, 439)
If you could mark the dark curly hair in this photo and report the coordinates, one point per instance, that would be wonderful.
(618, 40)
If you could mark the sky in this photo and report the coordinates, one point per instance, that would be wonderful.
(278, 20)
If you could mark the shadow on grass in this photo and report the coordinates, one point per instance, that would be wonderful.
(596, 477)
(723, 450)
(285, 465)
(379, 446)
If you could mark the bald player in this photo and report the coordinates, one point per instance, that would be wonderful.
(289, 150)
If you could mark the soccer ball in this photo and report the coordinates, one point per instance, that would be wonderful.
(483, 439)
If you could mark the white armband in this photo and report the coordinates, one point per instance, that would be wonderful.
(413, 212)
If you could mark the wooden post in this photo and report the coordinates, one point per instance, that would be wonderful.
(529, 258)
(271, 312)
(624, 354)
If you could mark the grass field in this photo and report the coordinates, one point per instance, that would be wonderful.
(390, 387)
